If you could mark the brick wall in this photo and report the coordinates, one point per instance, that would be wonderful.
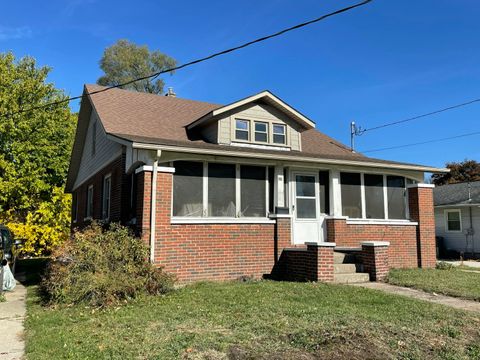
(375, 259)
(208, 251)
(403, 239)
(116, 169)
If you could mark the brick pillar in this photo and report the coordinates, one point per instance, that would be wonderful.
(320, 261)
(144, 186)
(283, 234)
(420, 200)
(336, 228)
(375, 259)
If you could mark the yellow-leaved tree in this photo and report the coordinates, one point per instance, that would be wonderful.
(35, 147)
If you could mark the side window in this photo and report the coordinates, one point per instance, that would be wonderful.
(106, 198)
(89, 207)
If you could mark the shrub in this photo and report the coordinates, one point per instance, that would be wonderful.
(102, 266)
(443, 265)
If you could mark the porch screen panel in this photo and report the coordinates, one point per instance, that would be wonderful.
(253, 192)
(188, 188)
(324, 186)
(221, 190)
(374, 204)
(351, 195)
(396, 197)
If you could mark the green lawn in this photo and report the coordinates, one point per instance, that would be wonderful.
(453, 282)
(255, 320)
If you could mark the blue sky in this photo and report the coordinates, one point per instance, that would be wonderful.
(383, 62)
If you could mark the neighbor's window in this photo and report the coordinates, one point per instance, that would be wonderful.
(351, 195)
(188, 189)
(242, 129)
(89, 207)
(221, 190)
(106, 198)
(453, 220)
(279, 134)
(374, 204)
(261, 131)
(396, 193)
(253, 191)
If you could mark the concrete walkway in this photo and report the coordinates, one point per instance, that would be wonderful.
(422, 295)
(12, 315)
(469, 263)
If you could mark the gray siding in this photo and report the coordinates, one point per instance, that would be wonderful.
(105, 152)
(457, 240)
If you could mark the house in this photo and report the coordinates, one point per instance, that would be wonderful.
(245, 189)
(457, 218)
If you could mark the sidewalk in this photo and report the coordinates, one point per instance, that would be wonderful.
(12, 315)
(422, 295)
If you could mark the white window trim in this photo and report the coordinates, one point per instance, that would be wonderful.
(446, 212)
(266, 132)
(248, 130)
(212, 219)
(105, 178)
(89, 216)
(284, 134)
(251, 132)
(385, 197)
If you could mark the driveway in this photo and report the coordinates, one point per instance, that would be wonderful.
(12, 315)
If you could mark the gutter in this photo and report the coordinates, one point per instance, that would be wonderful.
(146, 146)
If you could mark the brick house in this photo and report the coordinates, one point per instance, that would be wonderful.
(246, 189)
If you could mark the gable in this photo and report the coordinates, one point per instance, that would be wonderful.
(105, 152)
(221, 129)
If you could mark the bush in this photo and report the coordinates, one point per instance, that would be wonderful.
(442, 265)
(100, 267)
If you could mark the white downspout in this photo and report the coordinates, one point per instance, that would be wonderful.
(153, 206)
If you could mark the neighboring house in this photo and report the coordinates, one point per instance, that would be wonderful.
(237, 186)
(457, 218)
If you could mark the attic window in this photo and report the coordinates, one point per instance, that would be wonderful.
(278, 134)
(241, 129)
(261, 131)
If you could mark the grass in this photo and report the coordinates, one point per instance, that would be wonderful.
(453, 282)
(254, 320)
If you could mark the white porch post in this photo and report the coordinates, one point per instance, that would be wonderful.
(278, 187)
(335, 193)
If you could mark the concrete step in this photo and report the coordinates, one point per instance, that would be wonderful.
(343, 258)
(351, 278)
(347, 268)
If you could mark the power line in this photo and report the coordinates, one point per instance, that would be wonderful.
(362, 131)
(193, 62)
(422, 143)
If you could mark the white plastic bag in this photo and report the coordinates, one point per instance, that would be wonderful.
(8, 279)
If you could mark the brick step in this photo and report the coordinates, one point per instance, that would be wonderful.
(347, 268)
(343, 258)
(351, 278)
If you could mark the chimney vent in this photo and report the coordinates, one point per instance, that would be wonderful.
(170, 92)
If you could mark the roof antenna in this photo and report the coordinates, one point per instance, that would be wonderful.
(354, 131)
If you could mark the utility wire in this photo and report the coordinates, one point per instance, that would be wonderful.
(422, 143)
(362, 131)
(193, 62)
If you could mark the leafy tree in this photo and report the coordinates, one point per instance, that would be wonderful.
(35, 148)
(125, 61)
(467, 170)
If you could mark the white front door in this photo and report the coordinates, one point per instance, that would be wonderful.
(307, 219)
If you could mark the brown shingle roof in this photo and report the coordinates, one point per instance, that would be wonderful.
(162, 120)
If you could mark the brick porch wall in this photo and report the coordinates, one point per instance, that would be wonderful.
(208, 251)
(403, 239)
(410, 245)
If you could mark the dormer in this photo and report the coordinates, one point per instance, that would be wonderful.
(259, 121)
